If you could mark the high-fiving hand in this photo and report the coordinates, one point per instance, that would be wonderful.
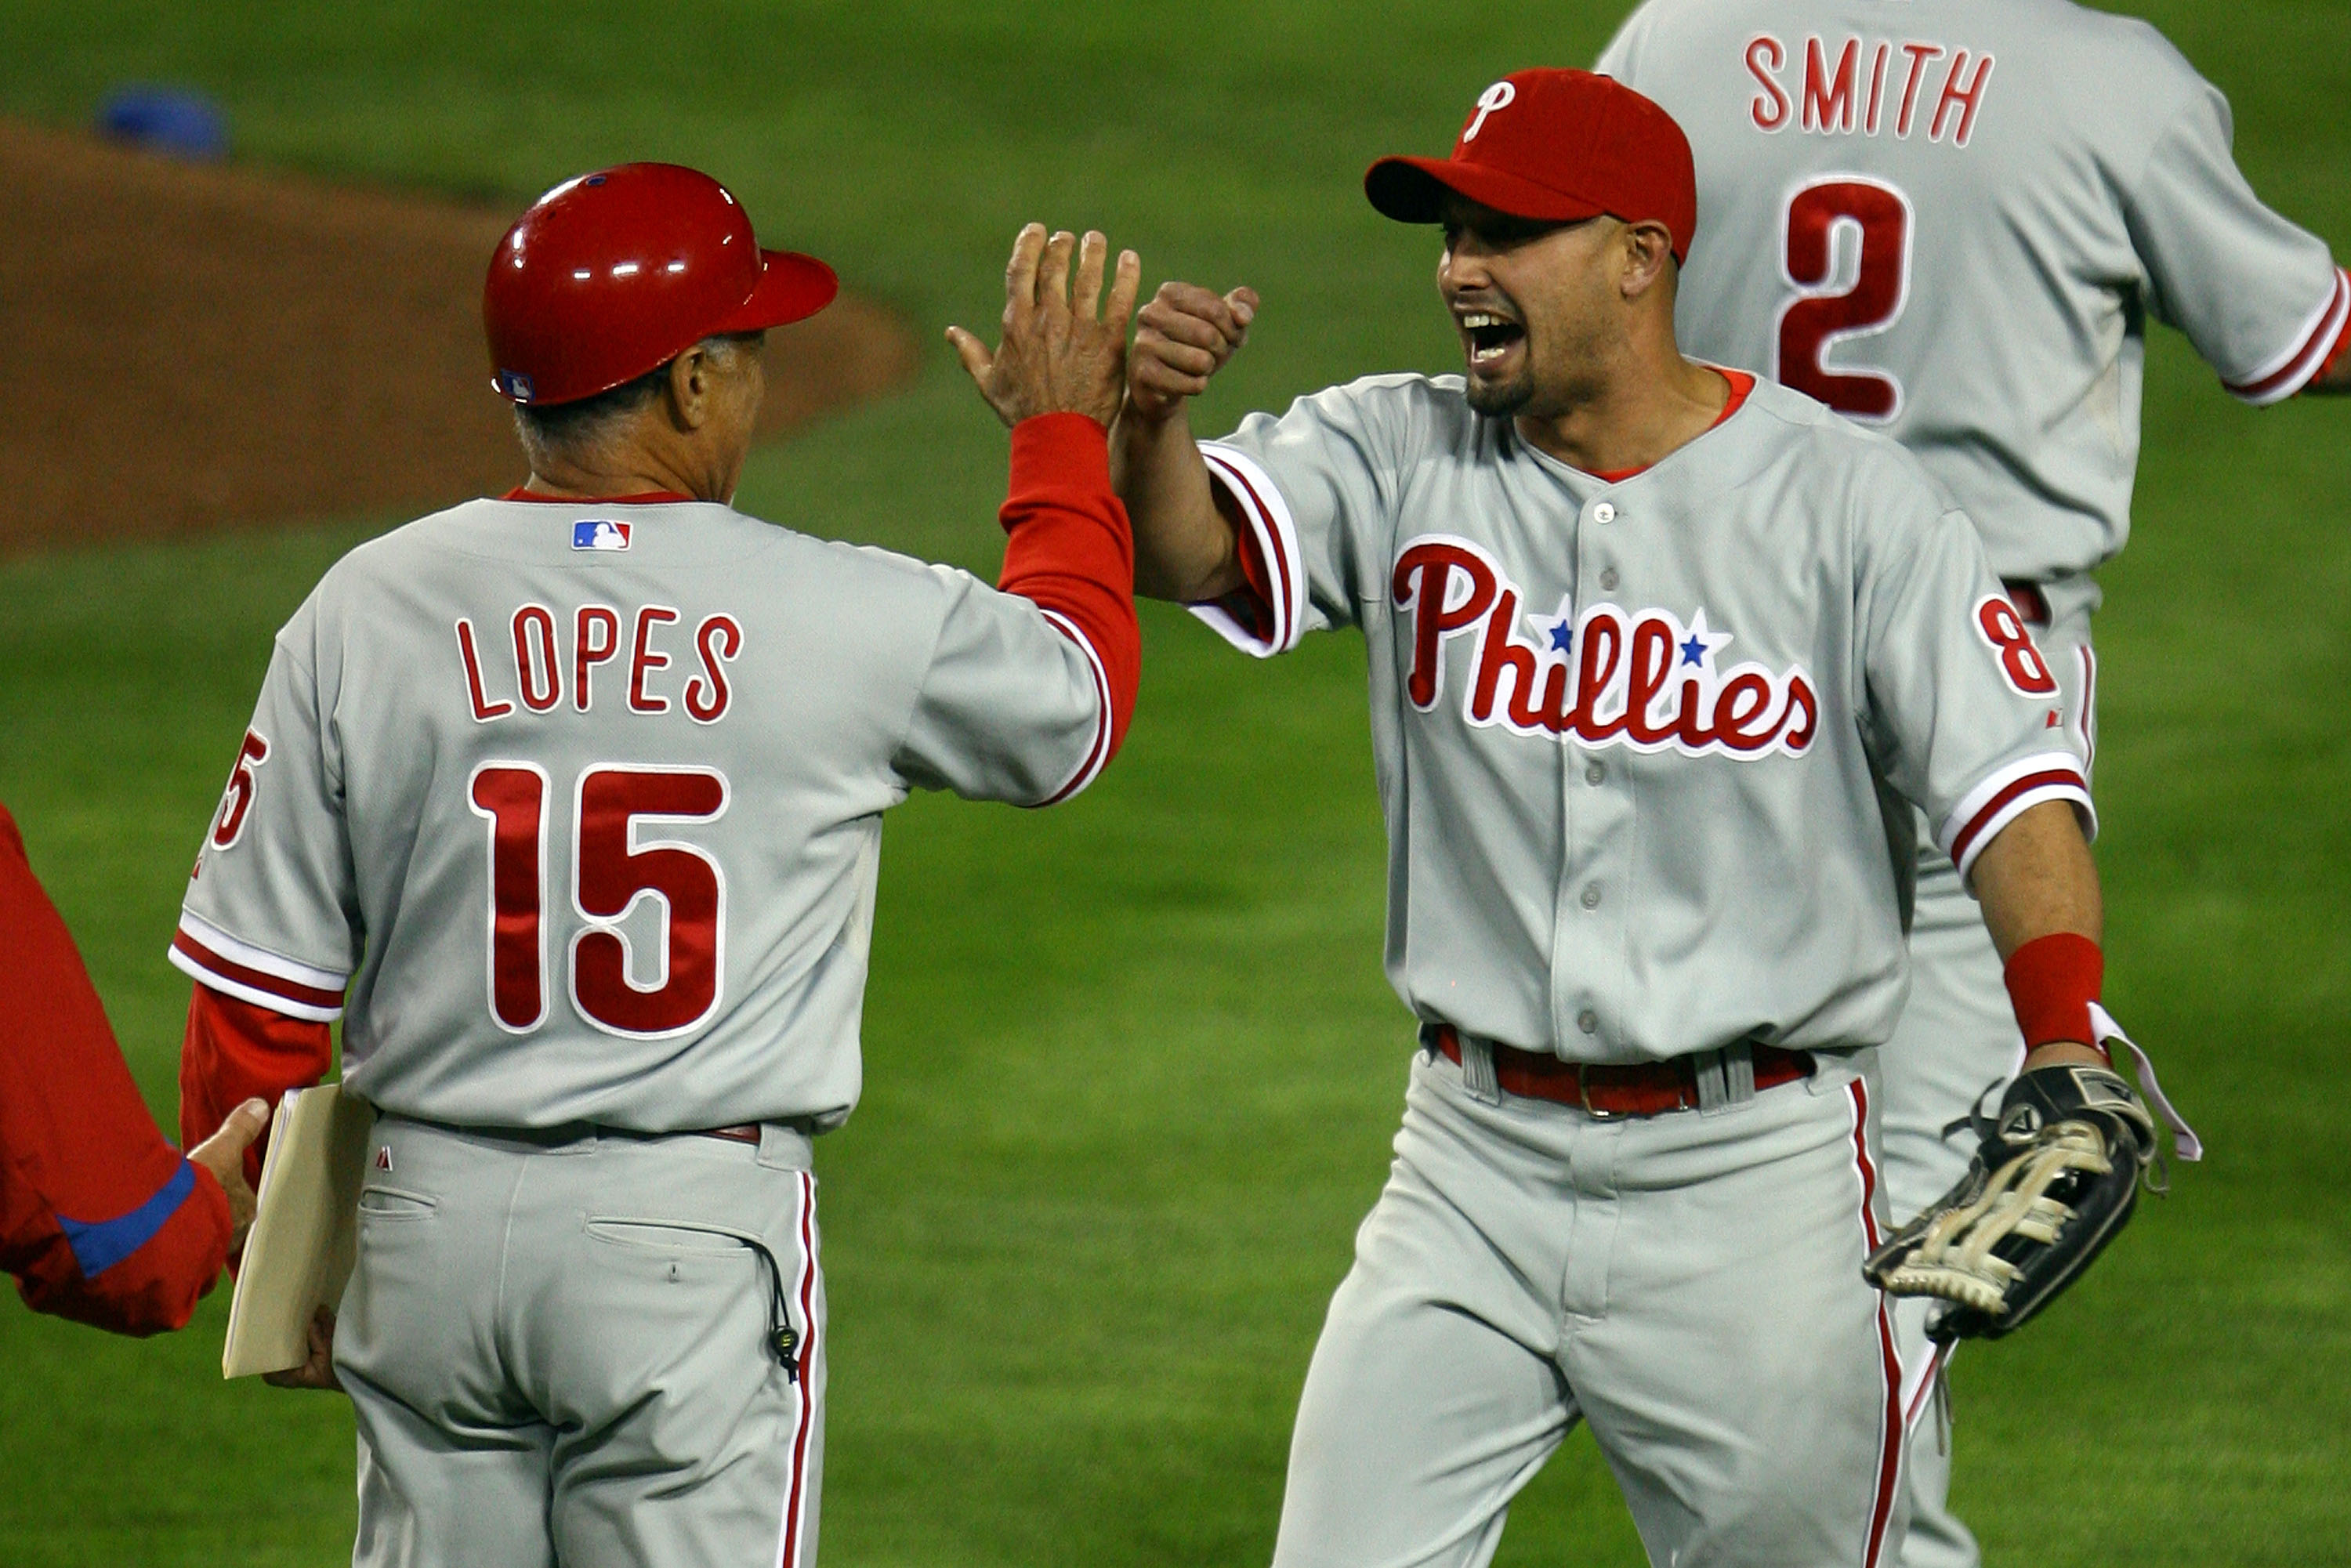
(1184, 336)
(1064, 351)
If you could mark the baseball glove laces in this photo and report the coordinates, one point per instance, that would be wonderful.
(2055, 1176)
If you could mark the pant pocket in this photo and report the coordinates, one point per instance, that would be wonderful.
(675, 1249)
(672, 1236)
(396, 1203)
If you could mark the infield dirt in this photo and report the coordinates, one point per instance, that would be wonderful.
(191, 347)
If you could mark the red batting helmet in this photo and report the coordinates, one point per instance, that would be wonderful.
(616, 273)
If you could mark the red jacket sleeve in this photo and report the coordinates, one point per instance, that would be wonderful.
(235, 1051)
(2334, 357)
(1071, 550)
(100, 1219)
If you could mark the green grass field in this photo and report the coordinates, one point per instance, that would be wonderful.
(1132, 1067)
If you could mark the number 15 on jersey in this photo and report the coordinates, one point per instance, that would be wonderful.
(613, 868)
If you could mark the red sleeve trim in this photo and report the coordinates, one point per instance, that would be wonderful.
(1264, 616)
(1097, 755)
(2310, 356)
(214, 967)
(1260, 582)
(2009, 802)
(1071, 553)
(1249, 607)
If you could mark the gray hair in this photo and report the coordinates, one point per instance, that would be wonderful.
(572, 432)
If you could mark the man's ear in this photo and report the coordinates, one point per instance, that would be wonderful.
(688, 388)
(1649, 256)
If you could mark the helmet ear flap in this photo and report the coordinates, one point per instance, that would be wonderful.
(614, 273)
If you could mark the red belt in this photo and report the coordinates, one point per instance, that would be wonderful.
(742, 1133)
(2030, 601)
(1642, 1089)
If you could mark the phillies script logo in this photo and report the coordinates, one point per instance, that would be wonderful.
(1606, 677)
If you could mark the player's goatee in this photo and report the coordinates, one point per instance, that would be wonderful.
(1501, 399)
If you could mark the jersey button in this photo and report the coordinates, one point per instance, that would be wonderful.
(1593, 773)
(1603, 513)
(1608, 580)
(1588, 1021)
(1591, 897)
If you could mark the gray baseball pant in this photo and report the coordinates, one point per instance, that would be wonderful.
(562, 1348)
(1688, 1283)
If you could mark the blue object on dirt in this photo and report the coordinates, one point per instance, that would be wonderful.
(177, 122)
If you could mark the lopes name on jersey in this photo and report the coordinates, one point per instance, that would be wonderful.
(556, 655)
(1607, 676)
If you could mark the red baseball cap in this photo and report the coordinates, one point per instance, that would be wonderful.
(1555, 145)
(613, 274)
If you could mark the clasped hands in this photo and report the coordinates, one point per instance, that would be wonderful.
(1065, 347)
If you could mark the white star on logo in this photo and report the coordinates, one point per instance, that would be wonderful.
(1556, 632)
(1699, 648)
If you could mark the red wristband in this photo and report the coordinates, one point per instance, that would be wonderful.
(2052, 981)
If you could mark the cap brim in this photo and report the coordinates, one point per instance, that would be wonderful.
(791, 287)
(1412, 191)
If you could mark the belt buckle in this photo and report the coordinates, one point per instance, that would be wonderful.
(1584, 1093)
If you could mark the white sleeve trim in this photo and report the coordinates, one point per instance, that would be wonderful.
(2286, 373)
(264, 978)
(308, 1011)
(2005, 794)
(1099, 753)
(253, 957)
(1268, 518)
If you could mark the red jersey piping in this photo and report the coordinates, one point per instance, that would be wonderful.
(1741, 383)
(648, 498)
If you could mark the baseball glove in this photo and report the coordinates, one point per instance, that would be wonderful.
(2053, 1180)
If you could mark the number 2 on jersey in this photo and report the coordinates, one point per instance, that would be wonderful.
(612, 869)
(1826, 310)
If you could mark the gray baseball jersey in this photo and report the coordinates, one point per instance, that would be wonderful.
(1952, 220)
(1614, 723)
(583, 803)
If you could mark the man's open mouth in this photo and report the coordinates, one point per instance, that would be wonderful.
(1488, 336)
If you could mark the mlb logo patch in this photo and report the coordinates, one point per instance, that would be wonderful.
(600, 533)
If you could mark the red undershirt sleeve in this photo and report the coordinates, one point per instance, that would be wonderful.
(234, 1052)
(1072, 549)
